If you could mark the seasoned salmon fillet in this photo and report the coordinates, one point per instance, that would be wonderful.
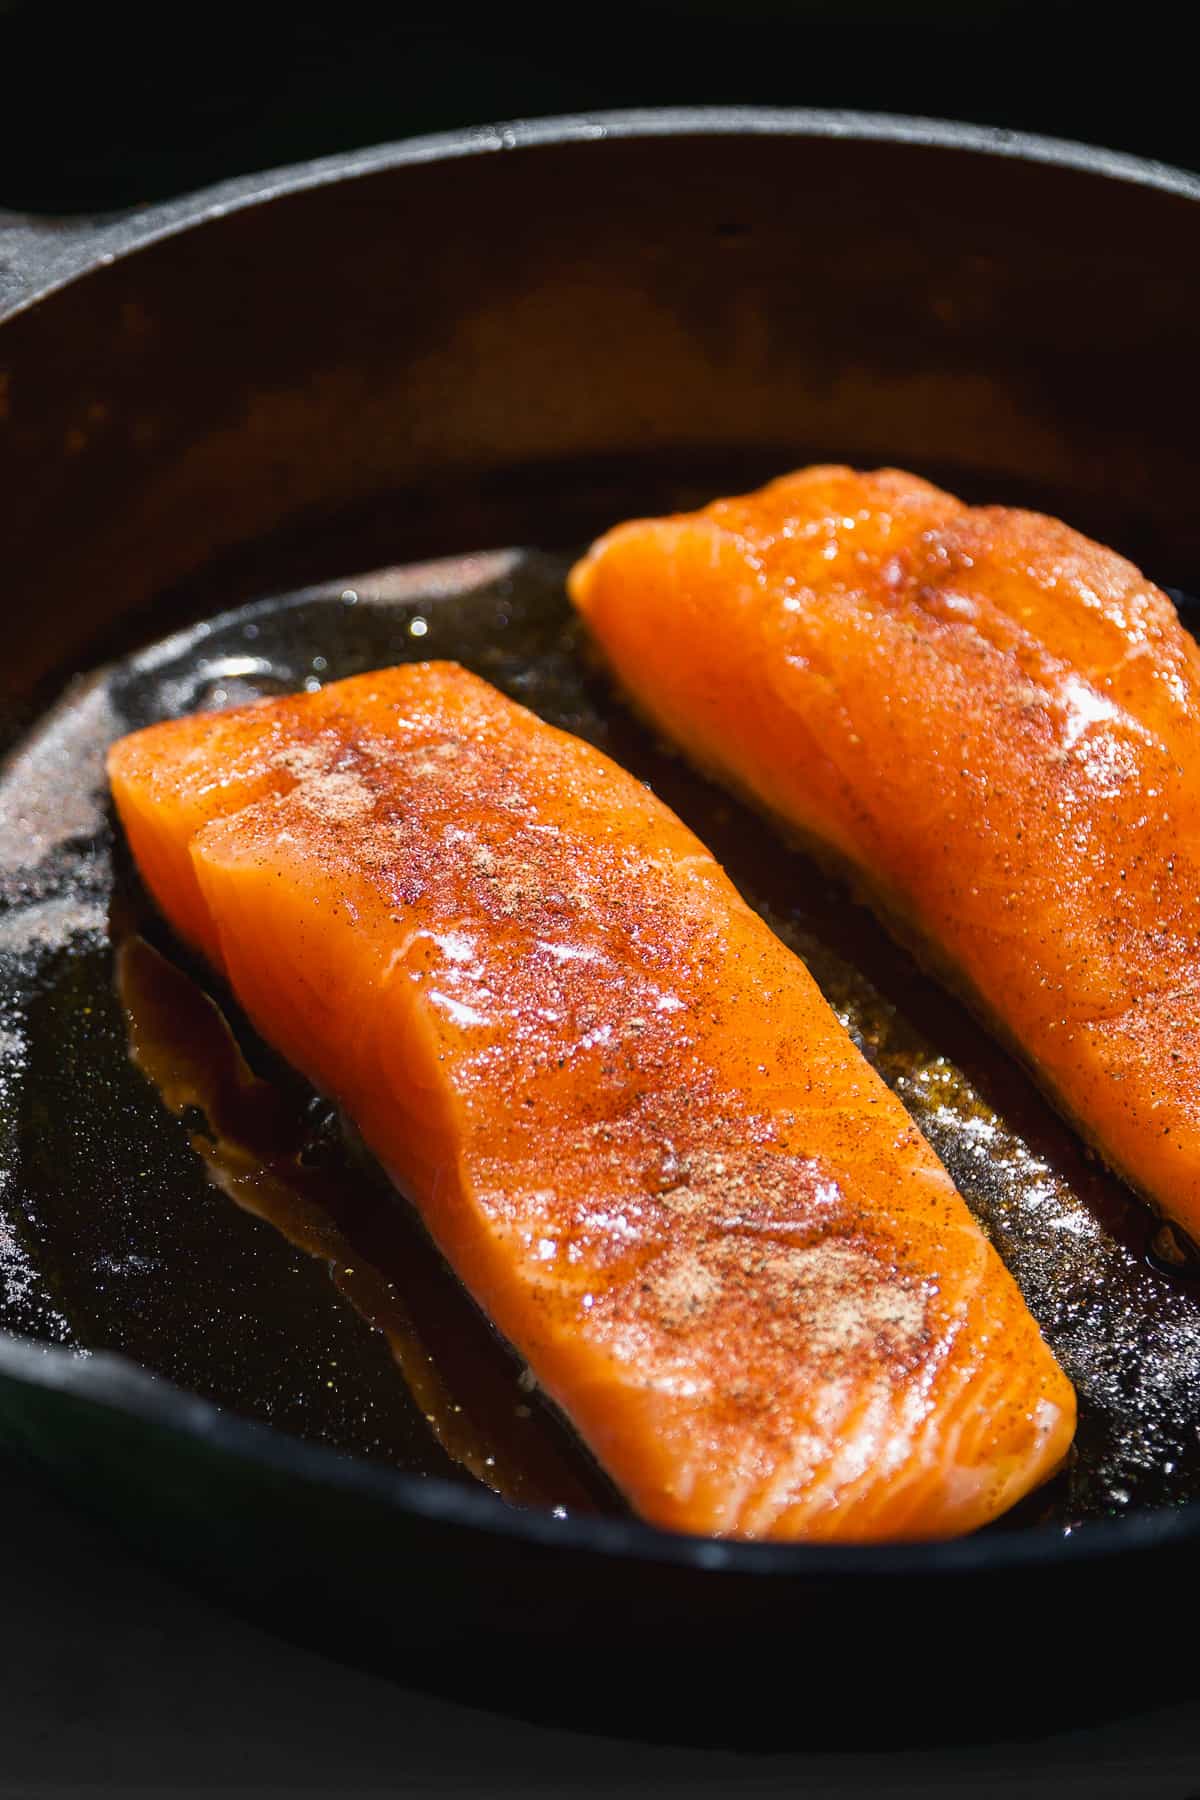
(622, 1107)
(994, 722)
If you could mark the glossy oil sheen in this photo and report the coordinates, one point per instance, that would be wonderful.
(121, 1228)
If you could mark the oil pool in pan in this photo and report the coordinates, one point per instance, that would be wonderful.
(168, 1190)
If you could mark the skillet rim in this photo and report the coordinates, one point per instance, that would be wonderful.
(37, 259)
(41, 254)
(109, 1382)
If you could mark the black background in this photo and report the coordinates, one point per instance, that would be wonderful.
(114, 1680)
(109, 105)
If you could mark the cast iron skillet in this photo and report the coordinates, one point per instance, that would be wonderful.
(512, 336)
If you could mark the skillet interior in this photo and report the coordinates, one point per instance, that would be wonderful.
(461, 350)
(159, 1265)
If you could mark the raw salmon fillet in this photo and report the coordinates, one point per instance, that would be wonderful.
(622, 1107)
(994, 722)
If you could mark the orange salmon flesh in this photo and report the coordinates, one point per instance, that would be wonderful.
(993, 722)
(623, 1109)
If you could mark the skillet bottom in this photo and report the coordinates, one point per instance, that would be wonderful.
(119, 1230)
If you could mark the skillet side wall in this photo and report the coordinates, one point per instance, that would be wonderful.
(390, 360)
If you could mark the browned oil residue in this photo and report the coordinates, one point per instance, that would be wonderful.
(255, 1141)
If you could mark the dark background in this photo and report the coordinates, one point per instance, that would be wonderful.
(113, 1680)
(104, 106)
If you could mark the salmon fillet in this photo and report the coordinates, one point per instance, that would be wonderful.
(623, 1109)
(994, 722)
